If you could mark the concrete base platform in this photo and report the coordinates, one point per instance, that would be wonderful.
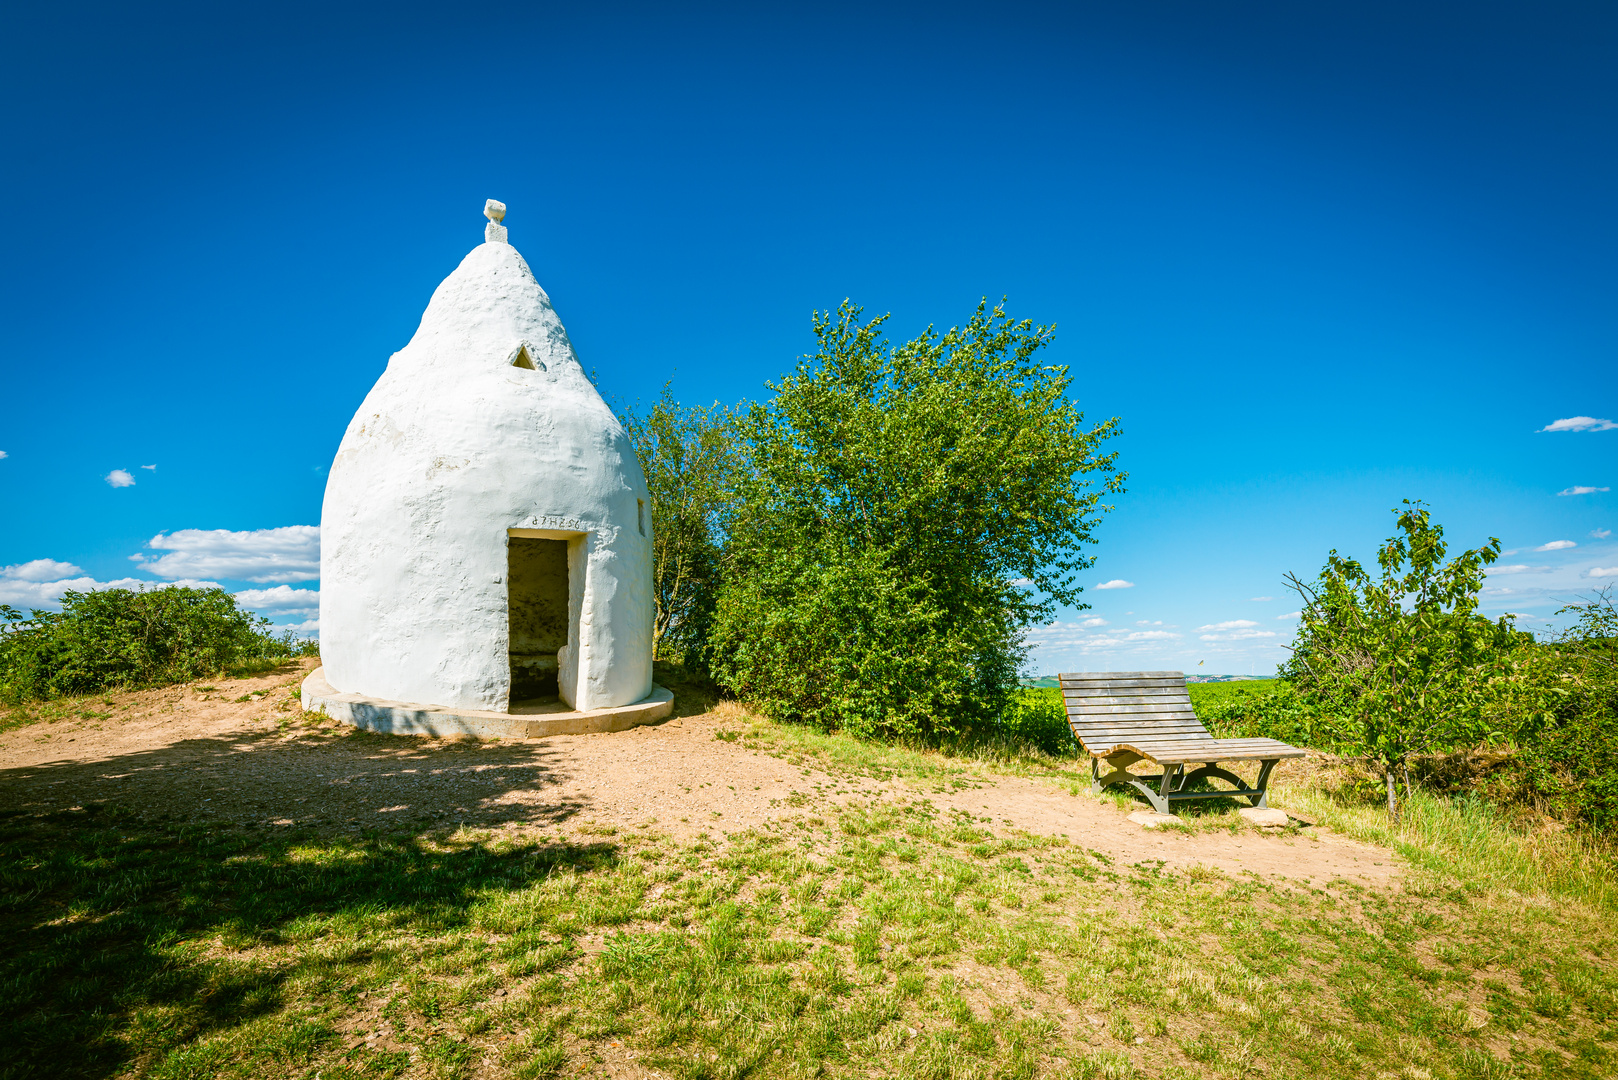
(533, 722)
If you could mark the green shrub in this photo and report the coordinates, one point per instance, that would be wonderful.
(1571, 770)
(1038, 717)
(903, 515)
(1276, 712)
(851, 645)
(129, 638)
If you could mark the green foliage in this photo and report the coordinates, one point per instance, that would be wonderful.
(1277, 711)
(129, 638)
(1557, 705)
(1038, 717)
(904, 514)
(1403, 659)
(1572, 768)
(688, 456)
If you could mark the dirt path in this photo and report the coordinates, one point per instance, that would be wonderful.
(199, 755)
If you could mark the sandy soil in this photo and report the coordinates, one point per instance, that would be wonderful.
(197, 754)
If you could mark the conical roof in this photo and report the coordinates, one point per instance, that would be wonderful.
(484, 423)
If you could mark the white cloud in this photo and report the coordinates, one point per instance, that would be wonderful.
(1232, 624)
(1148, 622)
(1079, 638)
(1580, 423)
(1581, 490)
(1116, 583)
(1260, 599)
(1094, 622)
(3, 454)
(48, 594)
(1600, 534)
(267, 556)
(1517, 568)
(1291, 615)
(119, 478)
(1239, 635)
(1556, 545)
(151, 467)
(281, 600)
(39, 570)
(1604, 571)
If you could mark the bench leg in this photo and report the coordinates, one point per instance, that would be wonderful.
(1262, 787)
(1118, 764)
(1161, 802)
(1120, 774)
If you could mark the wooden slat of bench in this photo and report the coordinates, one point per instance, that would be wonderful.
(1084, 697)
(1154, 722)
(1159, 728)
(1135, 710)
(1128, 719)
(1115, 738)
(1180, 753)
(1228, 744)
(1121, 675)
(1142, 724)
(1107, 689)
(1131, 684)
(1102, 731)
(1176, 739)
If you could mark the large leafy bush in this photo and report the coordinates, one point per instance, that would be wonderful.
(903, 515)
(123, 637)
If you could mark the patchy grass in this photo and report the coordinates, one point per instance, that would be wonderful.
(886, 938)
(870, 935)
(117, 703)
(1463, 837)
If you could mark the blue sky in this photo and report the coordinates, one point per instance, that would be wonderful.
(1317, 258)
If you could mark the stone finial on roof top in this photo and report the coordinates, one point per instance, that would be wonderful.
(495, 211)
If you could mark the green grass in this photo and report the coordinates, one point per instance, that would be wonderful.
(885, 938)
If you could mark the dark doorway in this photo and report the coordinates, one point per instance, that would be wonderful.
(537, 602)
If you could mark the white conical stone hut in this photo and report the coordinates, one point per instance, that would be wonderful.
(485, 540)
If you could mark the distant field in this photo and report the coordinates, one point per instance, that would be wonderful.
(1217, 693)
(1253, 685)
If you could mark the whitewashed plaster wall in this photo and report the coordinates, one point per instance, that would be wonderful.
(453, 446)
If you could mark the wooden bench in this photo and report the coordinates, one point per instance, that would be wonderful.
(1122, 717)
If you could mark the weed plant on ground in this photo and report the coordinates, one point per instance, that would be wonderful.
(879, 937)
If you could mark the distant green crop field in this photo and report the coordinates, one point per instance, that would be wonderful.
(1212, 693)
(1221, 693)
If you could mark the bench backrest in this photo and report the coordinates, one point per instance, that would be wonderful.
(1106, 708)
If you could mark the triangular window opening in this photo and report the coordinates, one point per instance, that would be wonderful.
(522, 359)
